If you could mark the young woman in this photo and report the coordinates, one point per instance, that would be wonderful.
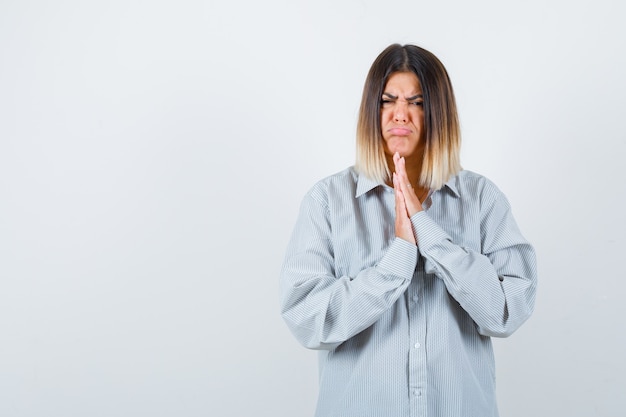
(401, 268)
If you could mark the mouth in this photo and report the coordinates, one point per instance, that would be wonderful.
(400, 131)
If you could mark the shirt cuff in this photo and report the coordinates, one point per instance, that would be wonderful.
(427, 232)
(400, 259)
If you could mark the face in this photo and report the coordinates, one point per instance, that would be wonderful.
(402, 114)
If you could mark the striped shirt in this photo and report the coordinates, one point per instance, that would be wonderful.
(405, 330)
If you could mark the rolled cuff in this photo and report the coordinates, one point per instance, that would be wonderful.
(400, 259)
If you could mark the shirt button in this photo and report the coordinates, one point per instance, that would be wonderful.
(417, 392)
(415, 298)
(417, 345)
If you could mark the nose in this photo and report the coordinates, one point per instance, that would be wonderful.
(399, 115)
(400, 112)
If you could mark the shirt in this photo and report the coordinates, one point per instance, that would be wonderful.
(404, 329)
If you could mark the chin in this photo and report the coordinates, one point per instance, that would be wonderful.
(404, 149)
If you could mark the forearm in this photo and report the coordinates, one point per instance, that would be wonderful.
(323, 310)
(497, 289)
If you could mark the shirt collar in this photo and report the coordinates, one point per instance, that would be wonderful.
(365, 184)
(451, 184)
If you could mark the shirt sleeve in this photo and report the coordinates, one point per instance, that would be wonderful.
(495, 286)
(322, 309)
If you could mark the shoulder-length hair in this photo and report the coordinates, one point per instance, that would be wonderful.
(441, 124)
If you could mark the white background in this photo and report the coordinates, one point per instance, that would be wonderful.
(153, 155)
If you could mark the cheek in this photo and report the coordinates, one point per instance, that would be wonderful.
(418, 121)
(417, 116)
(386, 117)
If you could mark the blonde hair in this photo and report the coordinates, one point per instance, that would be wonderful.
(441, 124)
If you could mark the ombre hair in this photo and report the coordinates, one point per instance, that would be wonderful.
(441, 123)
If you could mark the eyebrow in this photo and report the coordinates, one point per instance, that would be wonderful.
(391, 96)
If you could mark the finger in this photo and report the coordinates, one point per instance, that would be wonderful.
(397, 185)
(398, 189)
(397, 163)
(396, 157)
(403, 179)
(411, 201)
(400, 166)
(403, 225)
(404, 175)
(407, 195)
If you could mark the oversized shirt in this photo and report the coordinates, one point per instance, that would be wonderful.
(402, 329)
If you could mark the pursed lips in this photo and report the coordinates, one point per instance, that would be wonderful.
(400, 131)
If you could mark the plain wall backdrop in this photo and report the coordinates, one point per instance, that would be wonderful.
(153, 156)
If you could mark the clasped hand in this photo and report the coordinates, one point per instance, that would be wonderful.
(407, 202)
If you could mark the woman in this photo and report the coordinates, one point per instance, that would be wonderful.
(401, 268)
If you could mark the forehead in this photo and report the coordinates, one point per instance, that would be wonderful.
(404, 82)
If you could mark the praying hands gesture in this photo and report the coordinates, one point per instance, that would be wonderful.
(407, 202)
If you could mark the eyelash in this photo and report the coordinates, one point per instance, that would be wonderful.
(416, 103)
